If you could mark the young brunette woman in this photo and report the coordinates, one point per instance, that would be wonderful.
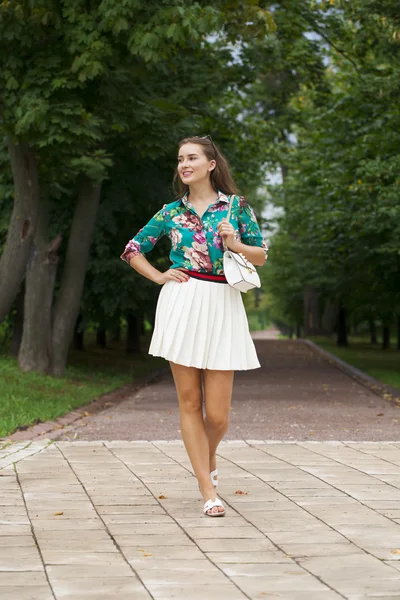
(201, 326)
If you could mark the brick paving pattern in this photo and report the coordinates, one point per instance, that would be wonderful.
(121, 520)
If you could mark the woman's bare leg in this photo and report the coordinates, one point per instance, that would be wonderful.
(218, 395)
(188, 387)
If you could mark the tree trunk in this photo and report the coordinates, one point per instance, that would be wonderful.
(117, 333)
(398, 332)
(22, 224)
(35, 351)
(372, 330)
(342, 327)
(101, 338)
(18, 323)
(133, 334)
(386, 337)
(311, 311)
(298, 330)
(69, 298)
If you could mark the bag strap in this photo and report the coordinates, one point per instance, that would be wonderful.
(228, 217)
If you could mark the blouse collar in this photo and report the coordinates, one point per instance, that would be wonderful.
(221, 197)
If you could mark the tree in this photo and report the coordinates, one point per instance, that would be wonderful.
(72, 77)
(340, 197)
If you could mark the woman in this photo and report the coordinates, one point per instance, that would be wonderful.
(201, 326)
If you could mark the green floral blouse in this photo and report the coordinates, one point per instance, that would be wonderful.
(196, 244)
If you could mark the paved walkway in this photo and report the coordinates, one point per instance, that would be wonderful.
(296, 395)
(122, 521)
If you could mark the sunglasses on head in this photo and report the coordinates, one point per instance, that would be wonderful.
(207, 137)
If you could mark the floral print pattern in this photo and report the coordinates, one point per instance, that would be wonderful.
(195, 242)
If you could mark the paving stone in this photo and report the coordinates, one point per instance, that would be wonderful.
(66, 524)
(326, 550)
(223, 545)
(262, 585)
(100, 570)
(26, 592)
(106, 587)
(226, 591)
(140, 509)
(71, 557)
(243, 533)
(22, 578)
(150, 553)
(239, 557)
(168, 529)
(154, 540)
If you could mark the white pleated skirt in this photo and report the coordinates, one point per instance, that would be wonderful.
(203, 324)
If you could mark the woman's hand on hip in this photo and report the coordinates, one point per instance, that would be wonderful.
(173, 275)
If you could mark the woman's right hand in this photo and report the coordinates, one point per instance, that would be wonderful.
(174, 275)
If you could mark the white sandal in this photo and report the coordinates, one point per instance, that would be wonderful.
(214, 474)
(210, 504)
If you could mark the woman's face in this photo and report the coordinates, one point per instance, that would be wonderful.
(193, 164)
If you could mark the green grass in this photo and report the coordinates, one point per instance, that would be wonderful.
(29, 398)
(383, 365)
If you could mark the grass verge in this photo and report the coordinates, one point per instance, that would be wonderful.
(383, 365)
(30, 398)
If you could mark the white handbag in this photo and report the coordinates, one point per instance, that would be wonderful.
(240, 273)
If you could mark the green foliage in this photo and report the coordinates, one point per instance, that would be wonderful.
(340, 191)
(107, 89)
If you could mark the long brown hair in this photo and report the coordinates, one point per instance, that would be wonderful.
(220, 177)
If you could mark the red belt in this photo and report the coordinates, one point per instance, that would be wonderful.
(206, 276)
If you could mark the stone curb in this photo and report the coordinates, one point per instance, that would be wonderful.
(36, 432)
(380, 389)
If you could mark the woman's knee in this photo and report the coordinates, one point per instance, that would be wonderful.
(190, 400)
(218, 420)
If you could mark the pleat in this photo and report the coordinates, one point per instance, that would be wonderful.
(204, 325)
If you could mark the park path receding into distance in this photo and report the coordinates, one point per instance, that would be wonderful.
(297, 394)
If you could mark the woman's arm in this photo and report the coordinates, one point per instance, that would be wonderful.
(252, 244)
(142, 266)
(254, 254)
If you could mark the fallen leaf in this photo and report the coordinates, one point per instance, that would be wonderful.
(240, 493)
(58, 513)
(147, 554)
(396, 551)
(380, 414)
(86, 414)
(162, 497)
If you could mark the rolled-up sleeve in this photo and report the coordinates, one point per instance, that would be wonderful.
(250, 232)
(146, 238)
